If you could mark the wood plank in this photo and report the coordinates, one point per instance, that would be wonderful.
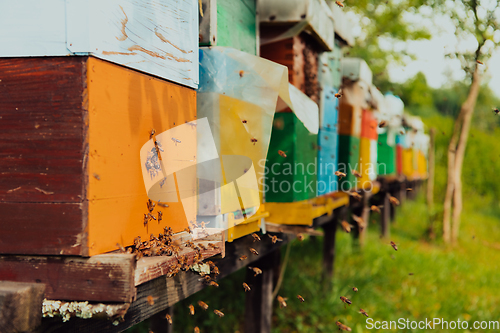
(20, 305)
(103, 278)
(42, 141)
(292, 229)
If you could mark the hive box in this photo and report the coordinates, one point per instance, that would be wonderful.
(291, 178)
(71, 134)
(229, 23)
(330, 67)
(386, 155)
(153, 36)
(327, 162)
(349, 147)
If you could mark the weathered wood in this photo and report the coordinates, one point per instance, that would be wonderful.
(293, 229)
(385, 216)
(20, 305)
(103, 278)
(259, 300)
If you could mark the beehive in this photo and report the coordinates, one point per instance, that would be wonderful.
(327, 162)
(229, 23)
(386, 155)
(349, 148)
(70, 154)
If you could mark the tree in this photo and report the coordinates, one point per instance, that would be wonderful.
(479, 20)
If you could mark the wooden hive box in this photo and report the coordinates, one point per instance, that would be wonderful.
(349, 147)
(156, 37)
(71, 133)
(299, 145)
(327, 161)
(229, 23)
(367, 162)
(386, 155)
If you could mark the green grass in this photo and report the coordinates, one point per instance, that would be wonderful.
(450, 282)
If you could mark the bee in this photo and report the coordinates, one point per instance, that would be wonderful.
(282, 153)
(300, 237)
(151, 205)
(409, 189)
(394, 200)
(341, 5)
(346, 226)
(355, 289)
(162, 204)
(402, 132)
(282, 301)
(343, 327)
(244, 121)
(160, 216)
(243, 257)
(215, 270)
(213, 246)
(254, 140)
(339, 94)
(201, 246)
(219, 313)
(410, 273)
(256, 270)
(363, 312)
(254, 251)
(188, 229)
(359, 220)
(256, 237)
(213, 284)
(203, 305)
(355, 195)
(301, 298)
(356, 173)
(168, 318)
(122, 249)
(241, 73)
(394, 245)
(151, 300)
(210, 263)
(152, 133)
(196, 329)
(340, 174)
(206, 278)
(375, 209)
(246, 287)
(275, 239)
(191, 309)
(383, 123)
(479, 62)
(146, 219)
(345, 300)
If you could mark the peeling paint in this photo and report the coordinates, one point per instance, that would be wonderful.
(124, 23)
(163, 39)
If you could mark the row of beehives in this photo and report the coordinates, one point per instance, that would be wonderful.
(103, 128)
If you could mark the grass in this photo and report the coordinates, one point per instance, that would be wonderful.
(449, 282)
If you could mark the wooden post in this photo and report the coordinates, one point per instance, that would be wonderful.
(159, 324)
(362, 210)
(20, 306)
(330, 230)
(259, 301)
(385, 216)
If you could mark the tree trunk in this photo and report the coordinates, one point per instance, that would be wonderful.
(451, 181)
(468, 110)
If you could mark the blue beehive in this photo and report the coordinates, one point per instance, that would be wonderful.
(327, 161)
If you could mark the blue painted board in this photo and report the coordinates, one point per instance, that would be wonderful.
(328, 111)
(327, 162)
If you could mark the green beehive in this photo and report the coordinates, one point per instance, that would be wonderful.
(348, 160)
(386, 156)
(230, 23)
(291, 178)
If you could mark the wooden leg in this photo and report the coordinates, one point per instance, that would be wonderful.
(159, 324)
(385, 216)
(330, 230)
(259, 302)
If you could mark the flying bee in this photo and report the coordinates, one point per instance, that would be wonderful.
(359, 220)
(152, 133)
(382, 124)
(375, 209)
(340, 174)
(146, 219)
(356, 173)
(282, 153)
(213, 284)
(254, 140)
(300, 237)
(346, 226)
(394, 200)
(302, 300)
(160, 216)
(479, 62)
(256, 237)
(243, 257)
(282, 301)
(340, 4)
(345, 300)
(191, 309)
(355, 195)
(343, 327)
(275, 239)
(162, 204)
(241, 73)
(409, 189)
(168, 318)
(244, 121)
(355, 289)
(256, 270)
(394, 245)
(254, 251)
(151, 300)
(219, 313)
(339, 94)
(246, 287)
(203, 305)
(495, 111)
(363, 312)
(196, 329)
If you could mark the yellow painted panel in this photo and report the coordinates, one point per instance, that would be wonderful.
(124, 106)
(408, 163)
